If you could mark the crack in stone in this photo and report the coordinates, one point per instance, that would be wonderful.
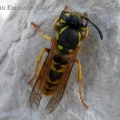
(5, 54)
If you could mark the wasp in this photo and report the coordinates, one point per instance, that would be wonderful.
(71, 28)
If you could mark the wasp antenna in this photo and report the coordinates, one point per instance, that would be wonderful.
(98, 29)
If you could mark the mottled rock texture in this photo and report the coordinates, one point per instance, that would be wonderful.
(20, 46)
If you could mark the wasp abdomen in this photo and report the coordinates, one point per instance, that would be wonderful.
(53, 79)
(54, 75)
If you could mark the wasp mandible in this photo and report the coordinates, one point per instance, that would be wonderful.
(71, 29)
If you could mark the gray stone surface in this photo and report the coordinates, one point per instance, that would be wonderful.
(20, 45)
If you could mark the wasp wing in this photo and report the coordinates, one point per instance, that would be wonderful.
(56, 98)
(36, 95)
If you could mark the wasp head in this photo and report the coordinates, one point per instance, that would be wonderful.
(73, 19)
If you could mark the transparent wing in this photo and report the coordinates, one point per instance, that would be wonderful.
(36, 93)
(35, 96)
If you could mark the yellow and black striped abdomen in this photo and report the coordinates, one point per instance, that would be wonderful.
(53, 79)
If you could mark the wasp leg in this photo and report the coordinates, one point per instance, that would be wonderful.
(84, 34)
(37, 63)
(55, 23)
(41, 33)
(80, 82)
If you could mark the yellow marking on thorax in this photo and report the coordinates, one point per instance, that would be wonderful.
(62, 21)
(70, 50)
(63, 29)
(60, 47)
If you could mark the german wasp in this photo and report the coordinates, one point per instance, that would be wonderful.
(51, 80)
